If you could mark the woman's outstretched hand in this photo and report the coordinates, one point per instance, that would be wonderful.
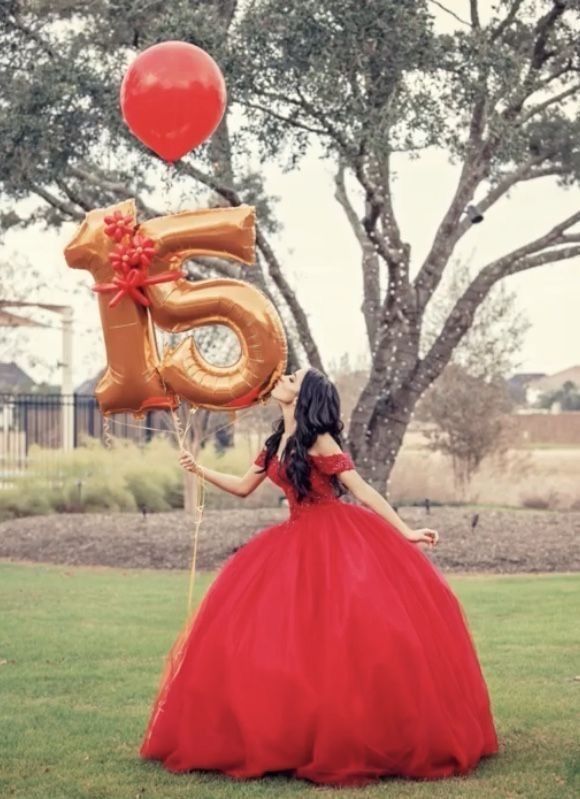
(186, 460)
(424, 536)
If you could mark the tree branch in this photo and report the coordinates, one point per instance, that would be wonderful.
(451, 13)
(73, 195)
(556, 98)
(461, 317)
(370, 261)
(448, 233)
(477, 162)
(543, 28)
(286, 120)
(274, 268)
(15, 23)
(65, 208)
(523, 172)
(473, 7)
(94, 177)
(507, 21)
(538, 58)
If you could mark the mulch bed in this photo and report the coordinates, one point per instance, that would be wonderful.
(501, 541)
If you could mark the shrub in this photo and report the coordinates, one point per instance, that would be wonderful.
(92, 478)
(547, 501)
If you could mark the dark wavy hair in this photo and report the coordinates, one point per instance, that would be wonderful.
(317, 411)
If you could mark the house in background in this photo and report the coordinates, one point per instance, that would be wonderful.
(14, 380)
(548, 384)
(517, 385)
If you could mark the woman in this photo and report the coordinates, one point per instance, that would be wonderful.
(329, 647)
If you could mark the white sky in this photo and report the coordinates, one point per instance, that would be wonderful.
(322, 261)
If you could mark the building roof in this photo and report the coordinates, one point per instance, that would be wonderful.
(524, 378)
(557, 380)
(14, 379)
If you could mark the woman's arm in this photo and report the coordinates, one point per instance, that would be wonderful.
(369, 496)
(239, 486)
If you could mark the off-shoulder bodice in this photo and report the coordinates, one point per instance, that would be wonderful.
(322, 490)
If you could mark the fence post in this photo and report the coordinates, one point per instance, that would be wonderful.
(67, 399)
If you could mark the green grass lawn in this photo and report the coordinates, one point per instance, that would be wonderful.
(81, 652)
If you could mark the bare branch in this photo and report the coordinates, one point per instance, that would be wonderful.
(66, 209)
(229, 194)
(475, 166)
(89, 174)
(556, 98)
(473, 7)
(549, 256)
(524, 172)
(286, 120)
(73, 196)
(461, 317)
(342, 197)
(544, 172)
(451, 13)
(377, 204)
(92, 175)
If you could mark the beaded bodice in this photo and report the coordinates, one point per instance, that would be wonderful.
(322, 490)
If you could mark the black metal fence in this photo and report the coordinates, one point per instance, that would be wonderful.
(56, 422)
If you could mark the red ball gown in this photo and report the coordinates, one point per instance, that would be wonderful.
(329, 648)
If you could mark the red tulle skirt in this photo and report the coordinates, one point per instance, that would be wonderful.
(330, 648)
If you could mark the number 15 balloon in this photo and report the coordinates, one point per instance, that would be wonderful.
(137, 269)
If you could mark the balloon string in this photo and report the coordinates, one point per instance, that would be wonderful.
(209, 434)
(107, 435)
(197, 518)
(199, 504)
(169, 171)
(180, 432)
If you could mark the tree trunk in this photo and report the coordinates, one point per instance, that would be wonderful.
(375, 455)
(384, 408)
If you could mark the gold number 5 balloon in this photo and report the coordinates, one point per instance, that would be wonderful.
(137, 272)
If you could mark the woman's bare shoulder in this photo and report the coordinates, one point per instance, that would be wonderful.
(325, 445)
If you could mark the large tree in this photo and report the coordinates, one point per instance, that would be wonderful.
(367, 80)
(374, 79)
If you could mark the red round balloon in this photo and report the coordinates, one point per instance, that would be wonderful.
(173, 97)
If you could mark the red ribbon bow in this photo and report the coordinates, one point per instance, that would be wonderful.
(130, 262)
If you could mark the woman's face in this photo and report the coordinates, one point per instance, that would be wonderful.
(287, 388)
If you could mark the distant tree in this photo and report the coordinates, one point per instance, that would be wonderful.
(470, 417)
(469, 402)
(567, 397)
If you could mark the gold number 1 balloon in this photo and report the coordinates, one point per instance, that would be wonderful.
(137, 272)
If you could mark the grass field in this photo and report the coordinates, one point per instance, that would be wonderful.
(81, 652)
